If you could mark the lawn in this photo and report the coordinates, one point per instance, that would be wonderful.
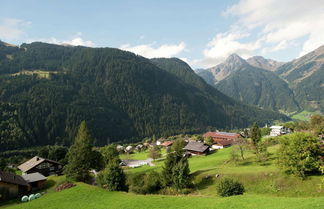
(88, 197)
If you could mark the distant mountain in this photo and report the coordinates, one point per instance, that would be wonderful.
(305, 76)
(244, 82)
(261, 62)
(232, 64)
(46, 90)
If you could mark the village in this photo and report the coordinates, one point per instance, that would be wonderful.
(35, 171)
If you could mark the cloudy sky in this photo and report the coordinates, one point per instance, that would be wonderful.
(203, 32)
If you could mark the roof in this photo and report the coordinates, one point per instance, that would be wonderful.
(26, 166)
(12, 179)
(196, 146)
(275, 127)
(167, 143)
(33, 177)
(222, 135)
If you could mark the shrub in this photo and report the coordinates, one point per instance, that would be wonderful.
(229, 187)
(149, 183)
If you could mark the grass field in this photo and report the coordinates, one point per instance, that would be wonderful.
(266, 187)
(39, 73)
(89, 197)
(303, 116)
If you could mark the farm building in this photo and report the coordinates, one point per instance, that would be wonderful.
(222, 135)
(196, 148)
(220, 143)
(279, 130)
(41, 165)
(167, 144)
(11, 185)
(36, 181)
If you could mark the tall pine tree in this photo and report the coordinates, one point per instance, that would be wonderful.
(80, 155)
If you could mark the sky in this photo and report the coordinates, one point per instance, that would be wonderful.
(201, 32)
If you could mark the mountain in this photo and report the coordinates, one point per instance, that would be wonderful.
(261, 62)
(242, 81)
(305, 76)
(232, 64)
(46, 90)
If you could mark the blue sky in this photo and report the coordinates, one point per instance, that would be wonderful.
(203, 33)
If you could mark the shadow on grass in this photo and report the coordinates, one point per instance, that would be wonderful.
(205, 182)
(197, 173)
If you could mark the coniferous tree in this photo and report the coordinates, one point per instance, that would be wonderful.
(181, 174)
(109, 152)
(155, 152)
(80, 155)
(112, 177)
(255, 134)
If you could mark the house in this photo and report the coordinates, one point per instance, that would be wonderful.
(196, 148)
(221, 143)
(279, 130)
(11, 185)
(222, 135)
(135, 163)
(167, 144)
(41, 165)
(36, 181)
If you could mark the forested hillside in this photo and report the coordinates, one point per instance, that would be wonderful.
(121, 96)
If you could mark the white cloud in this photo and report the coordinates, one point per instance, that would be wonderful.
(166, 50)
(74, 41)
(12, 29)
(225, 44)
(283, 22)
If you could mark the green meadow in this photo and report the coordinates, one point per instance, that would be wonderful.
(266, 187)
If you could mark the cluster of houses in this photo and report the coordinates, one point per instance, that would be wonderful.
(220, 140)
(33, 178)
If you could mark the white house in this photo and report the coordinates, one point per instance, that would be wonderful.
(279, 130)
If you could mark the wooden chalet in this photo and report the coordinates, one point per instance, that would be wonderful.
(196, 148)
(40, 165)
(11, 186)
(36, 181)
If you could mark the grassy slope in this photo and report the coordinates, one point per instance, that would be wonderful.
(85, 196)
(266, 187)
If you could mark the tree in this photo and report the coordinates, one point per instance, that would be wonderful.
(299, 153)
(229, 187)
(317, 124)
(80, 155)
(209, 140)
(181, 174)
(112, 177)
(109, 152)
(3, 164)
(154, 152)
(255, 134)
(176, 171)
(167, 172)
(177, 147)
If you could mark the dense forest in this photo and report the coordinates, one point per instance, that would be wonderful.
(122, 96)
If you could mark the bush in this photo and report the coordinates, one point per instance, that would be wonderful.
(229, 187)
(149, 183)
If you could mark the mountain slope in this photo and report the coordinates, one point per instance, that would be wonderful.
(242, 81)
(261, 62)
(121, 96)
(305, 76)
